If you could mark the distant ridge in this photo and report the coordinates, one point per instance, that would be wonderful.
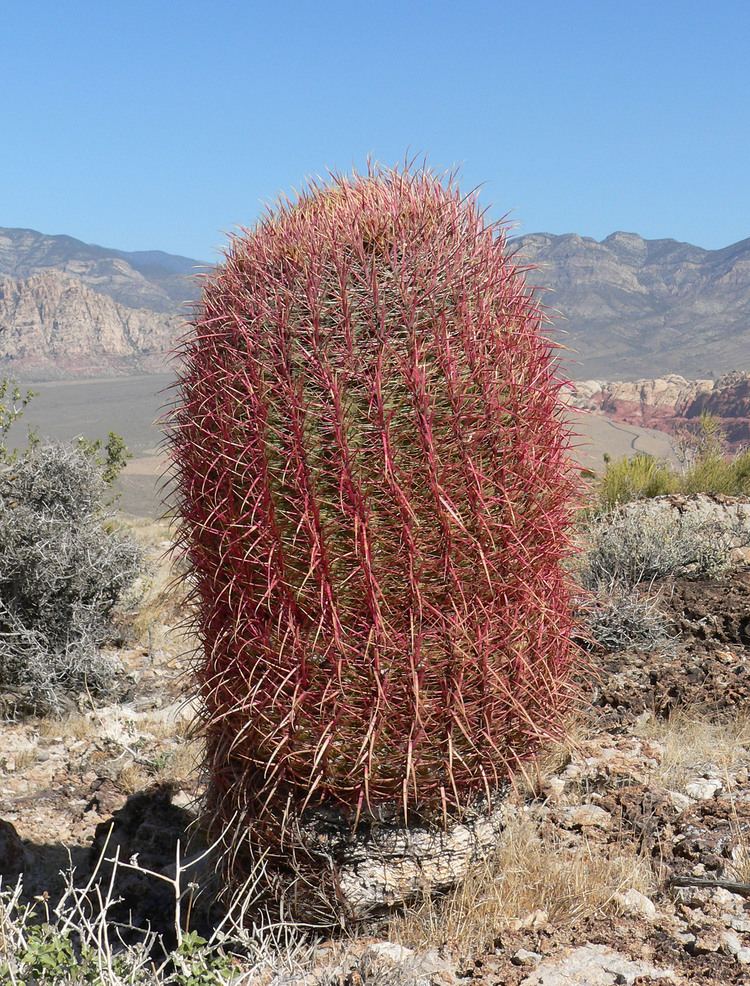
(631, 308)
(642, 308)
(151, 279)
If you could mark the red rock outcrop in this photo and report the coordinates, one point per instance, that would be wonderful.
(671, 403)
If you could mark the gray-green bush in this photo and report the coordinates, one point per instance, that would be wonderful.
(639, 544)
(618, 617)
(62, 571)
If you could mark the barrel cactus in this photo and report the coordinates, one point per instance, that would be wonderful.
(373, 478)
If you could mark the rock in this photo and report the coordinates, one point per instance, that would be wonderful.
(586, 816)
(721, 897)
(599, 759)
(743, 956)
(679, 801)
(593, 965)
(637, 904)
(422, 968)
(554, 788)
(730, 514)
(711, 670)
(703, 789)
(711, 836)
(730, 942)
(534, 921)
(186, 801)
(524, 957)
(432, 969)
(137, 280)
(705, 943)
(11, 852)
(670, 403)
(397, 954)
(53, 321)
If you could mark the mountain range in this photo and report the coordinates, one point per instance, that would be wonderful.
(633, 308)
(628, 307)
(150, 279)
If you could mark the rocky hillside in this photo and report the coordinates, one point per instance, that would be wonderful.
(71, 309)
(635, 308)
(670, 403)
(146, 279)
(52, 324)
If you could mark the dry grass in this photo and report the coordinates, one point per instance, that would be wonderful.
(532, 777)
(180, 763)
(691, 739)
(162, 601)
(528, 874)
(25, 758)
(73, 727)
(133, 778)
(739, 868)
(161, 728)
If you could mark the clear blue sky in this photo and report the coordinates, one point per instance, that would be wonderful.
(155, 124)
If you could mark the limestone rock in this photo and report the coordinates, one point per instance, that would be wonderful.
(587, 816)
(637, 904)
(703, 789)
(52, 323)
(594, 965)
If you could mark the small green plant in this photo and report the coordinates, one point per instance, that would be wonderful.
(198, 963)
(49, 958)
(111, 456)
(633, 479)
(12, 405)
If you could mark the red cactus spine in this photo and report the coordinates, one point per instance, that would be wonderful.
(374, 486)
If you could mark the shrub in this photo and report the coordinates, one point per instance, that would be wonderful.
(634, 478)
(372, 471)
(61, 573)
(618, 618)
(718, 474)
(638, 544)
